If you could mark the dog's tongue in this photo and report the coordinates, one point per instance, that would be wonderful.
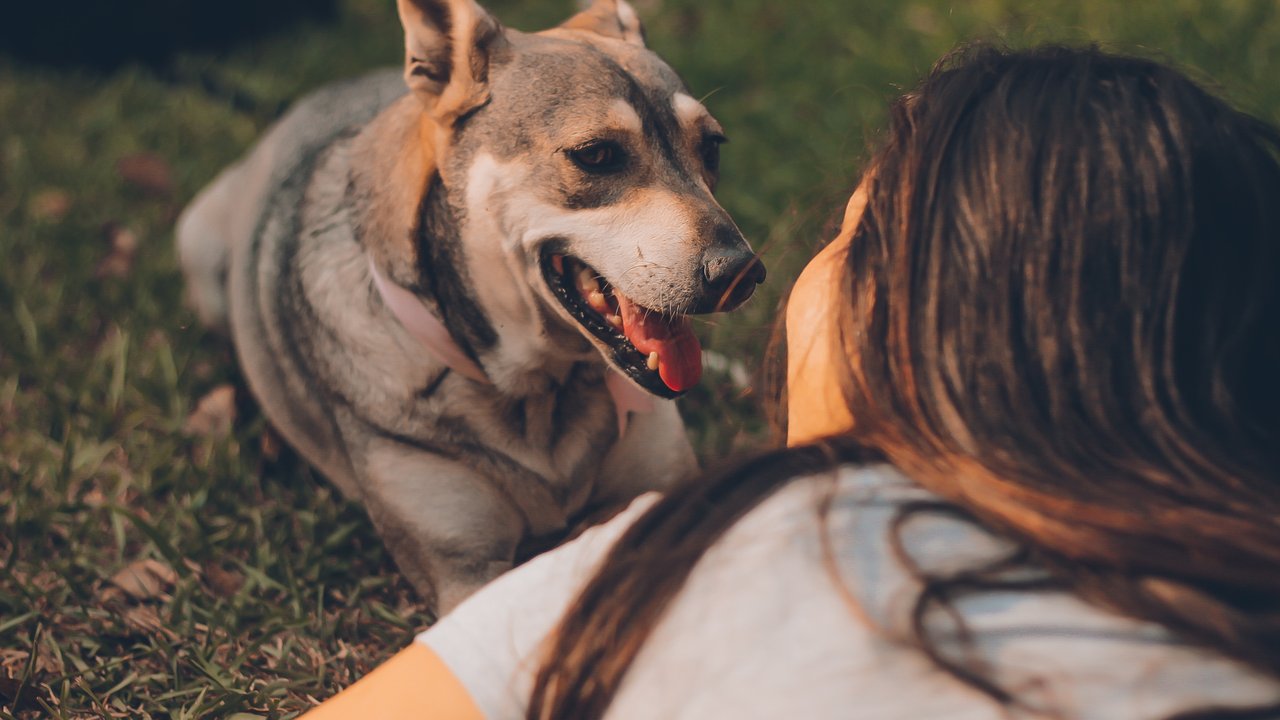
(679, 352)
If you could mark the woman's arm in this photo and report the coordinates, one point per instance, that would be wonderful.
(415, 684)
(478, 661)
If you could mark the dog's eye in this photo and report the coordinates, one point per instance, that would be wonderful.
(599, 157)
(711, 151)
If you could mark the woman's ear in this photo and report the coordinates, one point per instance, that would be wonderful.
(610, 18)
(448, 45)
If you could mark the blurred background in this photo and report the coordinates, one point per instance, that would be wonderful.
(161, 555)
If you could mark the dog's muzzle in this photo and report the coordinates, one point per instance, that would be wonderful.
(657, 349)
(730, 276)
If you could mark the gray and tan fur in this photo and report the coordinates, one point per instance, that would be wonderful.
(453, 186)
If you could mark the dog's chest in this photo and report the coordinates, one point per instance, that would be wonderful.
(543, 451)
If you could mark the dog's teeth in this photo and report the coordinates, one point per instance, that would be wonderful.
(596, 300)
(587, 280)
(653, 360)
(615, 320)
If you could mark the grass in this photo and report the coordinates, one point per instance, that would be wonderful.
(159, 565)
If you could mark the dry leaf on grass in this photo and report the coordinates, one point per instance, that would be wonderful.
(214, 414)
(145, 579)
(270, 444)
(43, 581)
(13, 662)
(147, 172)
(225, 583)
(9, 691)
(145, 620)
(51, 205)
(122, 249)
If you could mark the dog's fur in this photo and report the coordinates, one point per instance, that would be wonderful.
(455, 190)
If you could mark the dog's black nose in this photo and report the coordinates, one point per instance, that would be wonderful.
(732, 272)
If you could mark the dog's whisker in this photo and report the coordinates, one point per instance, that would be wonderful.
(645, 265)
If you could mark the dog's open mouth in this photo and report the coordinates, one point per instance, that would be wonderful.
(657, 350)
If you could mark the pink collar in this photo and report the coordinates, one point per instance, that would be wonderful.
(428, 329)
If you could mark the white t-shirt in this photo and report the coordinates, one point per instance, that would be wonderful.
(761, 629)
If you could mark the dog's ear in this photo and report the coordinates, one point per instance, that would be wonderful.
(611, 18)
(447, 46)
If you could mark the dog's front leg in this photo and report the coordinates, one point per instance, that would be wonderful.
(448, 528)
(653, 455)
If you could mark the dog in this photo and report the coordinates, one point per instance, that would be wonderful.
(461, 289)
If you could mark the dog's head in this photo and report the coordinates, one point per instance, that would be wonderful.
(582, 172)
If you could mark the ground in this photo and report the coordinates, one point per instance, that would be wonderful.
(160, 554)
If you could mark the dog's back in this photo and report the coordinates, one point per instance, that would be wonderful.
(223, 233)
(226, 213)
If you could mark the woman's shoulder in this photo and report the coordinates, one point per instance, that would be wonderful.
(871, 520)
(835, 566)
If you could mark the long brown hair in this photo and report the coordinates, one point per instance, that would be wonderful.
(1060, 315)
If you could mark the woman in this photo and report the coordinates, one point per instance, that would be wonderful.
(1035, 440)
